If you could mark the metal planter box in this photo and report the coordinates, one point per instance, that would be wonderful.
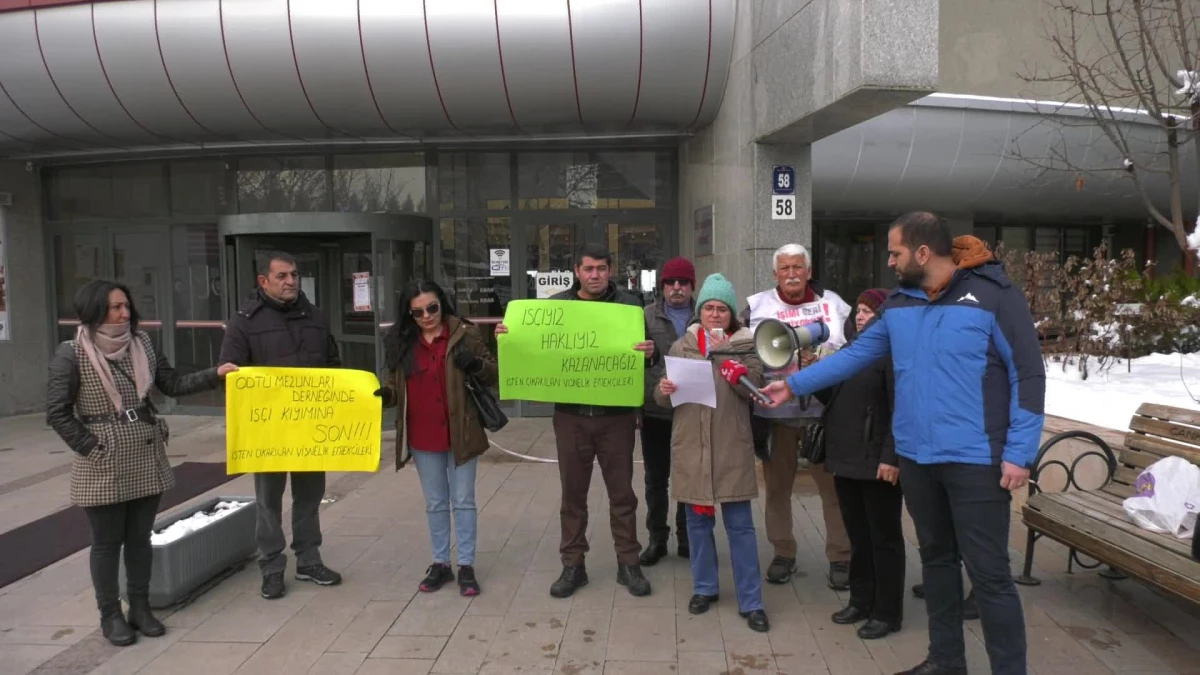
(181, 566)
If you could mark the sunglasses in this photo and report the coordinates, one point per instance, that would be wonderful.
(430, 310)
(681, 282)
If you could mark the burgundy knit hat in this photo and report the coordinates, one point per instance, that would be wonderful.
(873, 298)
(679, 268)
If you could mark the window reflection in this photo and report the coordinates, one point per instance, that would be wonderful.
(270, 184)
(200, 188)
(393, 183)
(475, 180)
(111, 191)
(599, 180)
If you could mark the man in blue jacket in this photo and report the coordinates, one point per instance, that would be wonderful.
(970, 390)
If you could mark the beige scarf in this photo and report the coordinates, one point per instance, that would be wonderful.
(111, 342)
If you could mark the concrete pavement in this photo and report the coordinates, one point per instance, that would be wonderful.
(376, 622)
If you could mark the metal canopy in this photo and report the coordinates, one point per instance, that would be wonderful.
(962, 154)
(115, 78)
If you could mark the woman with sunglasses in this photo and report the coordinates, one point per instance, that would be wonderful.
(430, 352)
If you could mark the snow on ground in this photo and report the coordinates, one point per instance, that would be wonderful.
(1110, 399)
(180, 528)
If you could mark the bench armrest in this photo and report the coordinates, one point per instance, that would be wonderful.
(1040, 464)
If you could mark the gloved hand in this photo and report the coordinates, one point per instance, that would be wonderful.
(467, 362)
(385, 394)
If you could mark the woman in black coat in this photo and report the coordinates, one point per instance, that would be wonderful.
(861, 454)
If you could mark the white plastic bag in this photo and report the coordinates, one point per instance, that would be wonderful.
(1166, 497)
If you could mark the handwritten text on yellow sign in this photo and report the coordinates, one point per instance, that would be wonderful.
(301, 419)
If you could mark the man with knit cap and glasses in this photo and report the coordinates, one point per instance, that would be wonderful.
(667, 320)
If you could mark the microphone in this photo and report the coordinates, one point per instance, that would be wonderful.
(735, 374)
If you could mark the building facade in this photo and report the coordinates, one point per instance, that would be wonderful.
(478, 142)
(167, 144)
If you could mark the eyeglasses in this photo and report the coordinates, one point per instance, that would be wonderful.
(680, 282)
(432, 309)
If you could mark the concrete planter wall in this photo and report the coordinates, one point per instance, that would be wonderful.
(181, 566)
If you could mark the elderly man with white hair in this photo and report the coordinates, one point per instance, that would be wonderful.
(797, 302)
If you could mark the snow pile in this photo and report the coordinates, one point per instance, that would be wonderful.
(1191, 85)
(1109, 399)
(1193, 239)
(180, 528)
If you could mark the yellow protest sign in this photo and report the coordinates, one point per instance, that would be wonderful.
(302, 419)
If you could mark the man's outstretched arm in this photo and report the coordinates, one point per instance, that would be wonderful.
(872, 345)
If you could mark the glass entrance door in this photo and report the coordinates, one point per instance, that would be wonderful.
(351, 265)
(333, 272)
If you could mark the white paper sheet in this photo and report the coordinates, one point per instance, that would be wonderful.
(693, 380)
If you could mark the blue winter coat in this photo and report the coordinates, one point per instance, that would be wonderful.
(970, 382)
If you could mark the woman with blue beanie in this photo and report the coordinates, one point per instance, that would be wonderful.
(712, 452)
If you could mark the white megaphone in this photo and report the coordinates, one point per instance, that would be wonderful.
(776, 343)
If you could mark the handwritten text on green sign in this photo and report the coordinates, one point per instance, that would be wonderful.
(570, 351)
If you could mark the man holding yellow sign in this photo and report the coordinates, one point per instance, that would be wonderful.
(587, 356)
(290, 419)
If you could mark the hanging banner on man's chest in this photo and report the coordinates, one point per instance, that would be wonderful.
(302, 419)
(572, 351)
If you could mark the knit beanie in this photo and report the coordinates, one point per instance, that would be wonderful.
(678, 268)
(873, 298)
(717, 287)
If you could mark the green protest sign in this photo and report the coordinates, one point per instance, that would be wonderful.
(570, 351)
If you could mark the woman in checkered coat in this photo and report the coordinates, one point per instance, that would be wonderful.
(98, 402)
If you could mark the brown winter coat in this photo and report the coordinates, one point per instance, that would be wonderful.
(467, 436)
(712, 451)
(114, 461)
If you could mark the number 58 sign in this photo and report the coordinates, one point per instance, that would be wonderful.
(783, 207)
(783, 193)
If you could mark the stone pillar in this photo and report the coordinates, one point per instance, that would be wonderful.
(796, 75)
(770, 234)
(25, 356)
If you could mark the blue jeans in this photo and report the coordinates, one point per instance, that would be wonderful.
(447, 486)
(743, 549)
(962, 515)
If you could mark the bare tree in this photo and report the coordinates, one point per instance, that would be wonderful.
(1125, 67)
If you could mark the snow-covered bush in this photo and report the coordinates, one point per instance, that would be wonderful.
(1094, 313)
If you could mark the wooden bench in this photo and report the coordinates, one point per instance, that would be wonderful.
(1094, 522)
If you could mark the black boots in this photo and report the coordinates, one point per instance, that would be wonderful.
(141, 620)
(569, 581)
(631, 577)
(653, 553)
(116, 630)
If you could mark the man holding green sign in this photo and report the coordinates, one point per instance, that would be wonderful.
(589, 359)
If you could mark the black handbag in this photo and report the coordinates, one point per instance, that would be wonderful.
(490, 414)
(812, 442)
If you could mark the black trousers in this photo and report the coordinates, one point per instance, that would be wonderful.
(962, 514)
(125, 524)
(871, 510)
(656, 453)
